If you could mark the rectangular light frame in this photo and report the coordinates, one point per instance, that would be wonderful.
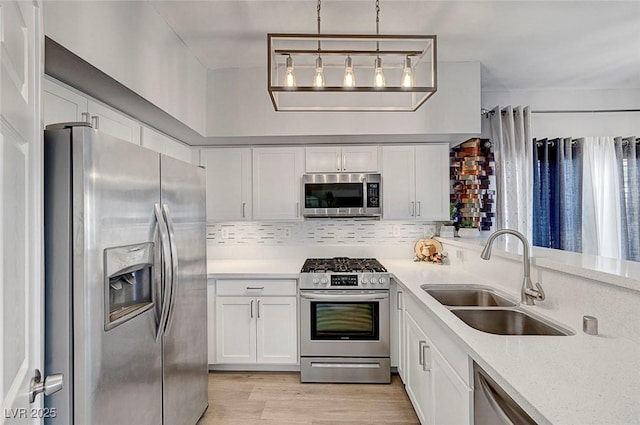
(418, 95)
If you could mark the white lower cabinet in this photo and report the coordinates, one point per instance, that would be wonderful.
(438, 394)
(253, 329)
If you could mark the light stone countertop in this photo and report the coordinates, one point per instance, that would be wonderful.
(579, 379)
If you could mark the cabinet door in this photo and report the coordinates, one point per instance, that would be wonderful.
(235, 330)
(418, 378)
(159, 142)
(61, 104)
(228, 183)
(451, 396)
(398, 180)
(277, 330)
(277, 175)
(323, 159)
(180, 151)
(360, 159)
(114, 123)
(432, 182)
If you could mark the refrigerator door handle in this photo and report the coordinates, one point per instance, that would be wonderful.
(174, 266)
(166, 272)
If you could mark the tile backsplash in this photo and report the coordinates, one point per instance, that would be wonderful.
(319, 233)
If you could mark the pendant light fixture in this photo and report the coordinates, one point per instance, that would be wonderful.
(328, 63)
(407, 74)
(318, 78)
(289, 77)
(349, 79)
(378, 75)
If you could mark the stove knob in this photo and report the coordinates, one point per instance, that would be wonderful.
(316, 280)
(324, 280)
(382, 280)
(365, 280)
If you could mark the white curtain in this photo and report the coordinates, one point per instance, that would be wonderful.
(601, 223)
(513, 150)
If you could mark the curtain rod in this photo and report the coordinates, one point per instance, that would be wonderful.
(488, 112)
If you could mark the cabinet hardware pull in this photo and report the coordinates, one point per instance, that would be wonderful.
(95, 122)
(399, 301)
(85, 117)
(251, 308)
(255, 288)
(337, 162)
(421, 352)
(419, 208)
(243, 207)
(426, 360)
(344, 162)
(297, 209)
(412, 209)
(258, 309)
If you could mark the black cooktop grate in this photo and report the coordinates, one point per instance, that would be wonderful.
(342, 265)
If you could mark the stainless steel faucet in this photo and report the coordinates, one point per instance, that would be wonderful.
(528, 293)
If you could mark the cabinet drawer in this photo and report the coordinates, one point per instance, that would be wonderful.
(256, 287)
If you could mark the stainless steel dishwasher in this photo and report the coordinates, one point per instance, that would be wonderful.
(492, 405)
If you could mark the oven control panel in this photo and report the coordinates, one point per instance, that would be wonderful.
(344, 281)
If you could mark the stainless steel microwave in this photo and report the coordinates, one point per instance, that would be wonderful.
(342, 195)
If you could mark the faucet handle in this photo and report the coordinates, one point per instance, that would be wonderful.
(537, 293)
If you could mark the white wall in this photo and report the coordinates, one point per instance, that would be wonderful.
(239, 106)
(129, 41)
(574, 124)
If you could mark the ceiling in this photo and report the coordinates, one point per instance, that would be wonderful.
(520, 44)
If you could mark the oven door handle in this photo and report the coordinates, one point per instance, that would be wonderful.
(343, 297)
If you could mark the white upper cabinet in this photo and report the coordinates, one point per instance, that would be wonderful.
(61, 104)
(432, 182)
(277, 176)
(228, 183)
(158, 142)
(114, 123)
(64, 105)
(415, 182)
(346, 159)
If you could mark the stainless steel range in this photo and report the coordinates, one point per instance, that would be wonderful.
(344, 321)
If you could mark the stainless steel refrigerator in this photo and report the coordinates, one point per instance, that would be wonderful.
(125, 281)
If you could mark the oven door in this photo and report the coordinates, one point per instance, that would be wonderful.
(348, 323)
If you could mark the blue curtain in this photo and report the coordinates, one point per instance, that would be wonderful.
(627, 157)
(557, 194)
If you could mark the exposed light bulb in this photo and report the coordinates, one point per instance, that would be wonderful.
(378, 76)
(349, 79)
(407, 74)
(289, 77)
(318, 78)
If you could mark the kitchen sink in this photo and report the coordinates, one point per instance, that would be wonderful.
(507, 321)
(468, 296)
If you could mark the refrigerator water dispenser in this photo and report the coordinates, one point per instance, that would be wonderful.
(128, 282)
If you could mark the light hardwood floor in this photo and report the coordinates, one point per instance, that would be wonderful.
(265, 398)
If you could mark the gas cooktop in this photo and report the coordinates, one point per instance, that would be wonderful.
(342, 264)
(343, 273)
